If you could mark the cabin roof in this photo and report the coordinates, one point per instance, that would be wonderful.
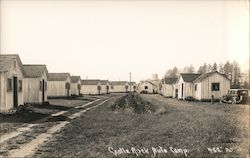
(75, 79)
(104, 82)
(90, 82)
(189, 77)
(205, 75)
(118, 82)
(4, 65)
(58, 76)
(34, 71)
(169, 80)
(11, 57)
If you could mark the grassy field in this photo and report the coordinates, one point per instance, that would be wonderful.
(174, 129)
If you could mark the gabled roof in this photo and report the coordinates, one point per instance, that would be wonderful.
(118, 82)
(75, 79)
(34, 71)
(132, 83)
(189, 77)
(169, 80)
(149, 81)
(5, 65)
(205, 75)
(90, 82)
(104, 82)
(58, 76)
(11, 57)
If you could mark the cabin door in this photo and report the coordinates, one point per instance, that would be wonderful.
(15, 93)
(182, 90)
(43, 93)
(176, 93)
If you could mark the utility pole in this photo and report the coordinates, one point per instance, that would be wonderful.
(130, 82)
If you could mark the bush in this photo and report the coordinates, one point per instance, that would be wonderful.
(134, 102)
(189, 98)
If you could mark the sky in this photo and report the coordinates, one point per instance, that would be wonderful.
(108, 39)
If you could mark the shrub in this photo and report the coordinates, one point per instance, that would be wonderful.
(134, 102)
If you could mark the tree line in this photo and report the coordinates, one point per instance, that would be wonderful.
(232, 70)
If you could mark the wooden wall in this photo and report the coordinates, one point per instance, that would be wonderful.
(6, 98)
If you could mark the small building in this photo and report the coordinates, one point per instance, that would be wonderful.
(75, 87)
(211, 84)
(58, 84)
(133, 86)
(184, 87)
(147, 87)
(35, 83)
(167, 88)
(105, 86)
(11, 81)
(118, 86)
(90, 86)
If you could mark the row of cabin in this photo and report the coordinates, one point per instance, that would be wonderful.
(21, 84)
(198, 86)
(95, 86)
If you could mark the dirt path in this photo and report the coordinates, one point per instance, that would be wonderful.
(40, 133)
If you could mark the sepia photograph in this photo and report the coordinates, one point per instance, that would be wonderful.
(124, 79)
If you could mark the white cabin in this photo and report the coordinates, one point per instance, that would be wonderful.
(75, 87)
(90, 86)
(11, 81)
(58, 84)
(35, 83)
(211, 84)
(168, 86)
(147, 86)
(184, 85)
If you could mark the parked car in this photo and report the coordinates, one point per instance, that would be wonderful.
(235, 96)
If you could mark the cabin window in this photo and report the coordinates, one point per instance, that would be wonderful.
(195, 87)
(41, 85)
(112, 87)
(9, 84)
(215, 86)
(20, 85)
(146, 87)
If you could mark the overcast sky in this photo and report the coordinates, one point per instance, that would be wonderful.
(108, 39)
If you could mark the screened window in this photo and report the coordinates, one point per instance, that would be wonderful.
(41, 85)
(20, 85)
(9, 84)
(195, 87)
(215, 86)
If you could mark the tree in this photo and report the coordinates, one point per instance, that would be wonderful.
(221, 68)
(202, 69)
(189, 69)
(172, 72)
(107, 88)
(236, 74)
(215, 67)
(228, 70)
(126, 87)
(99, 89)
